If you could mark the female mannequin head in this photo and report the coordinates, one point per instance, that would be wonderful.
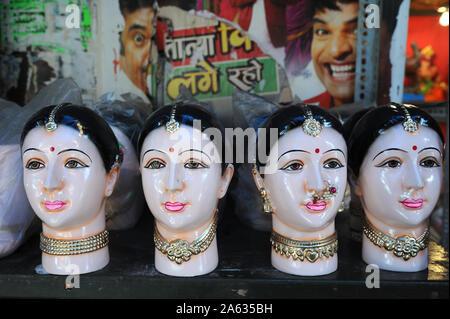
(396, 154)
(306, 166)
(183, 178)
(70, 158)
(174, 164)
(304, 186)
(398, 172)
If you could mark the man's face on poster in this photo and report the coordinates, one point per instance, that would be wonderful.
(333, 50)
(136, 39)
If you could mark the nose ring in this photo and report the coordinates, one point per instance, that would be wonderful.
(329, 193)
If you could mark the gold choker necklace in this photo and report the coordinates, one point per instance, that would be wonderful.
(59, 247)
(404, 247)
(180, 250)
(309, 250)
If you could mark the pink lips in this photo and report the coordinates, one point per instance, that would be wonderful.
(55, 205)
(316, 207)
(413, 203)
(174, 207)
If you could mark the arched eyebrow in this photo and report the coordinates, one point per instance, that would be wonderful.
(389, 149)
(335, 149)
(430, 148)
(31, 149)
(293, 151)
(74, 150)
(194, 150)
(137, 27)
(152, 150)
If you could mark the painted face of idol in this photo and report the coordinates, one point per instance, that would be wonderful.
(181, 176)
(401, 176)
(309, 184)
(64, 177)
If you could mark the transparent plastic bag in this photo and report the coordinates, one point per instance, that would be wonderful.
(126, 117)
(16, 214)
(249, 111)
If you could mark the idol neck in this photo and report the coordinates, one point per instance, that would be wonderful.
(285, 230)
(92, 227)
(188, 235)
(395, 231)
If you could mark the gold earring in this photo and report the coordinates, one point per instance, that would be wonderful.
(342, 207)
(266, 203)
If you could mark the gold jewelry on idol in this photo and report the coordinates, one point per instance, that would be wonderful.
(405, 247)
(329, 193)
(51, 125)
(60, 247)
(180, 250)
(311, 126)
(172, 126)
(409, 125)
(310, 250)
(267, 207)
(342, 206)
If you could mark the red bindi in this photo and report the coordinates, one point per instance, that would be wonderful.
(317, 150)
(170, 149)
(414, 147)
(52, 149)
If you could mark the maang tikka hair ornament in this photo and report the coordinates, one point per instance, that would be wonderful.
(172, 126)
(409, 125)
(311, 126)
(51, 125)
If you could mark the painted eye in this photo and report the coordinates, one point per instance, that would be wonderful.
(321, 32)
(194, 165)
(429, 162)
(155, 164)
(74, 164)
(332, 164)
(34, 165)
(293, 166)
(139, 38)
(392, 163)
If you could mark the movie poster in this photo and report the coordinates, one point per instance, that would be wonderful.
(313, 40)
(207, 56)
(211, 57)
(127, 50)
(151, 48)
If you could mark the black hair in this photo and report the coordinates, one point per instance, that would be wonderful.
(93, 126)
(290, 117)
(352, 120)
(319, 5)
(129, 6)
(375, 121)
(184, 113)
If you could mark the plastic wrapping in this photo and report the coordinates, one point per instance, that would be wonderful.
(16, 214)
(249, 110)
(126, 117)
